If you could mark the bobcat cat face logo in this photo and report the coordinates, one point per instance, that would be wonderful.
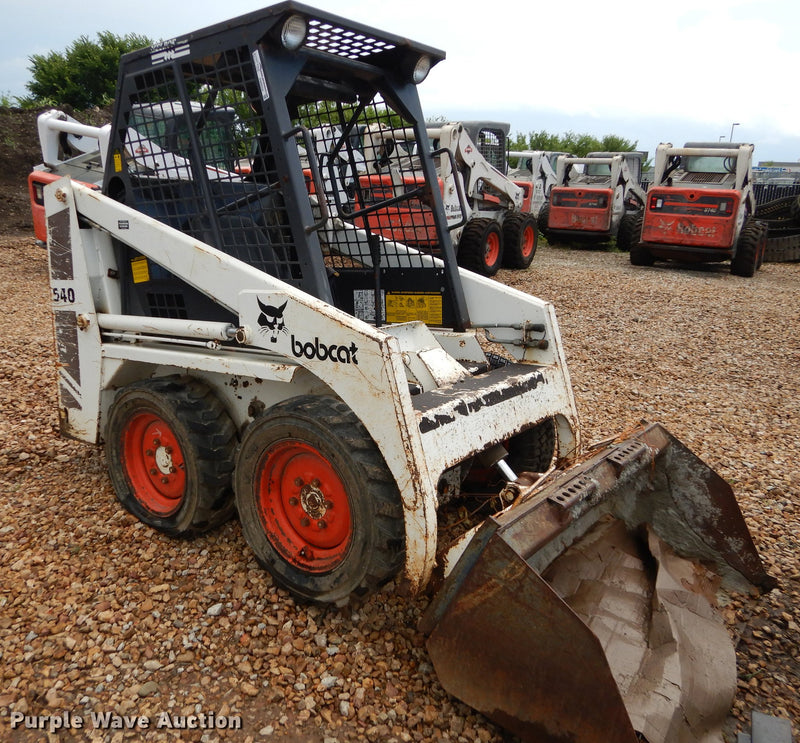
(270, 320)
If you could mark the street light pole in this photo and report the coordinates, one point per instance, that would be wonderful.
(732, 126)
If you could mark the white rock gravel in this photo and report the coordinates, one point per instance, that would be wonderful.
(99, 614)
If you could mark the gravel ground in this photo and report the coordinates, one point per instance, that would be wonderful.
(99, 614)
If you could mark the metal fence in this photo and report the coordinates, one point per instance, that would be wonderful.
(765, 192)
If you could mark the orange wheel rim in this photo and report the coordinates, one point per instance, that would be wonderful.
(154, 463)
(528, 241)
(492, 252)
(304, 507)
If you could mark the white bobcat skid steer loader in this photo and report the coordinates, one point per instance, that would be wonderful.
(537, 170)
(489, 215)
(238, 343)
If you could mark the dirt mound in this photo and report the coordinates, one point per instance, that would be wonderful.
(19, 152)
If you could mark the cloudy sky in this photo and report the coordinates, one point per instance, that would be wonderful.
(624, 67)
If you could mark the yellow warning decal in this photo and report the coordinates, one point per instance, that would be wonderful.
(117, 162)
(414, 306)
(140, 271)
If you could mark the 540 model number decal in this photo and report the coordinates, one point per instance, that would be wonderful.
(63, 295)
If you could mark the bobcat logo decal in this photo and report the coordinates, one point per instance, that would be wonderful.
(271, 324)
(270, 320)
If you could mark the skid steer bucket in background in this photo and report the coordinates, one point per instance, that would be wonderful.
(575, 614)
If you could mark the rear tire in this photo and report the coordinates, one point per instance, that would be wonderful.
(480, 248)
(318, 505)
(629, 232)
(533, 449)
(520, 238)
(542, 221)
(639, 255)
(170, 450)
(748, 249)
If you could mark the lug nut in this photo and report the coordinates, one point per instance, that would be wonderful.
(156, 442)
(298, 481)
(153, 471)
(304, 522)
(328, 504)
(165, 480)
(148, 452)
(321, 524)
(293, 501)
(315, 483)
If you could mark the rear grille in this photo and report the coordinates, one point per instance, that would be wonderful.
(704, 177)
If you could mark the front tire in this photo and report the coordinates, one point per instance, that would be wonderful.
(629, 232)
(170, 449)
(480, 248)
(318, 505)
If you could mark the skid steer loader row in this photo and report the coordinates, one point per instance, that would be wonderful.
(241, 339)
(489, 215)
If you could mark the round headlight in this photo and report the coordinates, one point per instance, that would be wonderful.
(293, 33)
(421, 69)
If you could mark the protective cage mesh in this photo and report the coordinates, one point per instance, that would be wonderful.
(180, 161)
(210, 172)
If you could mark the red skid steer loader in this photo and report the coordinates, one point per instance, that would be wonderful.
(242, 342)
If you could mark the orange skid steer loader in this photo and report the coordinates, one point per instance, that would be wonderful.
(242, 342)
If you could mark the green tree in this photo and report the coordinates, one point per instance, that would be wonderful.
(570, 142)
(85, 74)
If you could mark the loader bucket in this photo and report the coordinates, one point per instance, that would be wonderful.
(575, 615)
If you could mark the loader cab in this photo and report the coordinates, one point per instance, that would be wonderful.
(491, 139)
(633, 162)
(166, 123)
(260, 87)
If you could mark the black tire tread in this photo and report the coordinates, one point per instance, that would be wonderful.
(513, 229)
(533, 449)
(472, 247)
(213, 436)
(627, 235)
(638, 254)
(542, 220)
(745, 261)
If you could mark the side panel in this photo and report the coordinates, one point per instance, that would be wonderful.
(77, 336)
